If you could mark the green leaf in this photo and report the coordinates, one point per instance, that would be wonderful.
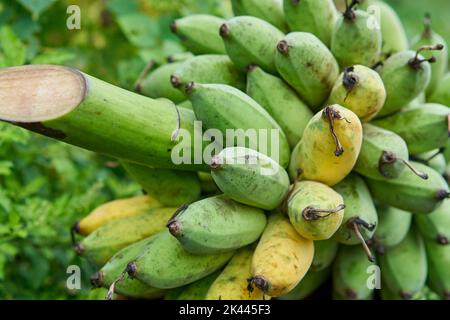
(5, 168)
(36, 7)
(14, 51)
(54, 56)
(139, 29)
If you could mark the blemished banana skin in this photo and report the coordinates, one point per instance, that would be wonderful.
(310, 283)
(279, 245)
(435, 226)
(308, 66)
(361, 90)
(99, 246)
(217, 224)
(232, 283)
(199, 33)
(424, 127)
(315, 210)
(165, 264)
(434, 159)
(113, 210)
(268, 10)
(404, 267)
(223, 107)
(208, 68)
(324, 253)
(314, 16)
(329, 147)
(250, 177)
(441, 94)
(196, 290)
(280, 101)
(350, 274)
(251, 41)
(356, 38)
(438, 268)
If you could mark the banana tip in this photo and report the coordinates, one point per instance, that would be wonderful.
(97, 279)
(79, 249)
(174, 228)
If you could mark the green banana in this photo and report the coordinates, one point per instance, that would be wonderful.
(434, 159)
(185, 104)
(351, 273)
(251, 41)
(324, 253)
(436, 225)
(157, 84)
(361, 90)
(169, 187)
(216, 224)
(249, 177)
(310, 283)
(199, 33)
(424, 127)
(223, 107)
(165, 264)
(315, 210)
(280, 101)
(424, 294)
(207, 183)
(409, 193)
(438, 268)
(308, 66)
(179, 57)
(442, 92)
(356, 38)
(268, 10)
(314, 16)
(447, 151)
(208, 68)
(404, 267)
(196, 290)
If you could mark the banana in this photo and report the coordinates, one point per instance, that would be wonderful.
(404, 267)
(324, 253)
(438, 268)
(165, 264)
(249, 177)
(329, 147)
(442, 92)
(435, 226)
(208, 68)
(424, 294)
(384, 155)
(216, 224)
(308, 66)
(361, 90)
(199, 33)
(198, 289)
(169, 187)
(315, 210)
(185, 104)
(268, 10)
(280, 245)
(310, 283)
(411, 194)
(225, 108)
(179, 57)
(280, 101)
(208, 185)
(251, 41)
(232, 284)
(356, 38)
(424, 127)
(351, 273)
(434, 159)
(105, 241)
(314, 16)
(113, 210)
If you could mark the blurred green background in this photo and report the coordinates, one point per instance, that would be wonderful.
(45, 186)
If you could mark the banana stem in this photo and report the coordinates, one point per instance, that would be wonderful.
(416, 62)
(355, 225)
(310, 213)
(332, 114)
(416, 172)
(349, 13)
(148, 67)
(73, 230)
(112, 287)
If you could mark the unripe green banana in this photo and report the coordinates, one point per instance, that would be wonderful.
(208, 68)
(223, 107)
(314, 16)
(435, 226)
(209, 187)
(356, 38)
(199, 33)
(315, 210)
(157, 84)
(351, 274)
(268, 10)
(424, 127)
(280, 101)
(447, 152)
(169, 187)
(404, 267)
(438, 268)
(361, 90)
(165, 264)
(439, 68)
(324, 253)
(411, 194)
(104, 242)
(185, 104)
(424, 294)
(384, 155)
(434, 159)
(310, 283)
(308, 66)
(250, 177)
(251, 41)
(442, 92)
(198, 289)
(216, 224)
(179, 57)
(338, 132)
(360, 216)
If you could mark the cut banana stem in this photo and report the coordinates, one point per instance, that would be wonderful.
(355, 225)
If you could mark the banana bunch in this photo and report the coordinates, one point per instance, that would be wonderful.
(359, 166)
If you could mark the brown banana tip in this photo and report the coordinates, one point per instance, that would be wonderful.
(442, 194)
(76, 227)
(349, 12)
(175, 81)
(350, 79)
(406, 295)
(442, 240)
(175, 228)
(131, 269)
(224, 30)
(283, 47)
(350, 294)
(173, 27)
(216, 163)
(189, 87)
(78, 248)
(251, 67)
(295, 2)
(97, 279)
(259, 282)
(446, 295)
